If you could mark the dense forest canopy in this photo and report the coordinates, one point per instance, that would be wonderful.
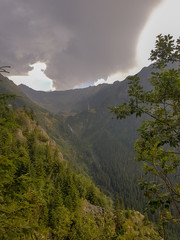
(40, 194)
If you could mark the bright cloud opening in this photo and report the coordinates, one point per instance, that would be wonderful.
(36, 78)
(119, 76)
(165, 19)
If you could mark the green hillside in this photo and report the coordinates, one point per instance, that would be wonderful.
(104, 146)
(7, 86)
(41, 197)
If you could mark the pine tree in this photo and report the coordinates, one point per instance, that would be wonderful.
(119, 216)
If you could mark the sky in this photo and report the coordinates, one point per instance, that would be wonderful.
(66, 44)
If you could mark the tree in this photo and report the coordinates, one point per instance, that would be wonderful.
(3, 96)
(158, 146)
(119, 216)
(3, 69)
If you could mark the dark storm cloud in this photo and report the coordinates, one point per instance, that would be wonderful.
(80, 40)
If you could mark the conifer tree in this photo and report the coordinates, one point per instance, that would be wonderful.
(119, 217)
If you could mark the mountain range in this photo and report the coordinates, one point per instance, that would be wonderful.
(88, 135)
(81, 123)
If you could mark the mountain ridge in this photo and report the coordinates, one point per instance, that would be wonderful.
(106, 145)
(42, 197)
(77, 100)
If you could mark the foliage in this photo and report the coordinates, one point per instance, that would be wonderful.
(40, 196)
(3, 69)
(135, 226)
(91, 141)
(119, 216)
(159, 141)
(105, 148)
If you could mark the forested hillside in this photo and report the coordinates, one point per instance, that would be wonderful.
(94, 143)
(104, 146)
(42, 198)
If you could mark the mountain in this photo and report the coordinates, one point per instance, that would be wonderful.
(97, 145)
(7, 86)
(90, 139)
(81, 146)
(103, 146)
(62, 101)
(78, 100)
(41, 197)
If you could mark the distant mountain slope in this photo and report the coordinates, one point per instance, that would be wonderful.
(40, 194)
(54, 125)
(87, 135)
(7, 86)
(103, 146)
(63, 101)
(77, 100)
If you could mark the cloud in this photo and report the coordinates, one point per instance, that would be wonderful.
(79, 40)
(35, 78)
(118, 76)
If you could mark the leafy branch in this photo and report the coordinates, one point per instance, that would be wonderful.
(159, 136)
